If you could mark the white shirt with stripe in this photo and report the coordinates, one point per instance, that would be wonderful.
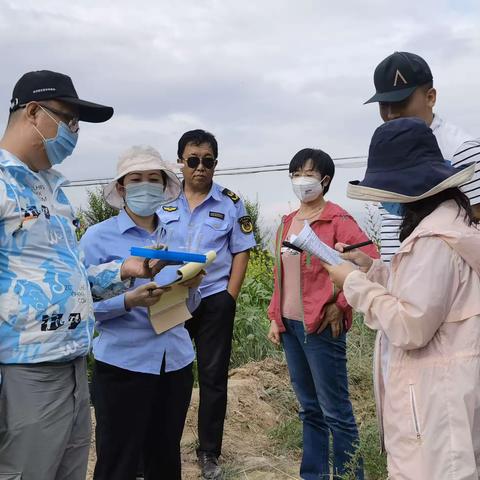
(456, 146)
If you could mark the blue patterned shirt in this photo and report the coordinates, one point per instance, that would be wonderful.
(46, 303)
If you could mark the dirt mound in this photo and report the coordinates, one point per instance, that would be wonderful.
(257, 394)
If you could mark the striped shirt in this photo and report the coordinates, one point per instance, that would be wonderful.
(456, 146)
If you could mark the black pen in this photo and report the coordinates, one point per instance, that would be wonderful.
(356, 245)
(292, 246)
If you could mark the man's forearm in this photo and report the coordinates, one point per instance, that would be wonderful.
(237, 275)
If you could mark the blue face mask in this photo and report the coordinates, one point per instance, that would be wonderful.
(62, 145)
(393, 208)
(144, 198)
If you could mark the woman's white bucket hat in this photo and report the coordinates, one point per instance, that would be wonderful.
(140, 159)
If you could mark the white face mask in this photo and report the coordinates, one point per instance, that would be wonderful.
(307, 188)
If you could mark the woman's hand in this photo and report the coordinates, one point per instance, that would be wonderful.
(194, 282)
(139, 267)
(144, 296)
(338, 273)
(362, 260)
(334, 317)
(274, 333)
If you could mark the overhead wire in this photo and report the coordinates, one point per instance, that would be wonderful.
(247, 170)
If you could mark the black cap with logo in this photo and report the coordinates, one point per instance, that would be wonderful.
(47, 85)
(397, 77)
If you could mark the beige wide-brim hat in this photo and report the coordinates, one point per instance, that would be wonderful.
(140, 159)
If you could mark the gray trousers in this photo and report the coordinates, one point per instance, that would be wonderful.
(44, 421)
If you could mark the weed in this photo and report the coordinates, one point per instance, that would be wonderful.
(250, 342)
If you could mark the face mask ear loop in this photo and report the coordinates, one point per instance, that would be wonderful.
(321, 181)
(46, 111)
(40, 133)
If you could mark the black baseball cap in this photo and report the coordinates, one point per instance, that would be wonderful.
(397, 76)
(48, 85)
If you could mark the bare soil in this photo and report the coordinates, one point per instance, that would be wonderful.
(254, 408)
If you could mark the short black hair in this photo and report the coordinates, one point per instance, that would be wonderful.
(197, 137)
(322, 163)
(427, 86)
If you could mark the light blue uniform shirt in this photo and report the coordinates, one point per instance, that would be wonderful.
(126, 338)
(219, 223)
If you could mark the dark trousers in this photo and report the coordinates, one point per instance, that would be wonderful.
(211, 328)
(139, 414)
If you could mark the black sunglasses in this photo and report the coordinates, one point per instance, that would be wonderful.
(194, 162)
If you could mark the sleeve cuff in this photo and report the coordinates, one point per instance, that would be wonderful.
(350, 281)
(111, 308)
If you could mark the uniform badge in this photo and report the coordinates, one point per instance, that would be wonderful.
(246, 225)
(166, 208)
(219, 215)
(232, 196)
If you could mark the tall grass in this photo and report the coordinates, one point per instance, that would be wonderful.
(250, 341)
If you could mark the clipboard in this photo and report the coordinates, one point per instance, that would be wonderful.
(171, 309)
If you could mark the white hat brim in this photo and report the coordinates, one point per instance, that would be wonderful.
(172, 189)
(368, 194)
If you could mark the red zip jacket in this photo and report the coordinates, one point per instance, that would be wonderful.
(334, 225)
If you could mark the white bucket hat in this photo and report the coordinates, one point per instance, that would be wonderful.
(140, 159)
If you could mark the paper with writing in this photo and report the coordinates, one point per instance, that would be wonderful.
(307, 240)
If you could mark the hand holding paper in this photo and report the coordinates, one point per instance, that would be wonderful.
(171, 309)
(339, 273)
(357, 257)
(307, 240)
(144, 295)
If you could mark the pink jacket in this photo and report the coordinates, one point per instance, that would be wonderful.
(427, 355)
(334, 225)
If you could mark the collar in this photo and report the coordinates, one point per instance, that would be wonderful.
(330, 211)
(443, 221)
(9, 161)
(436, 122)
(215, 192)
(125, 223)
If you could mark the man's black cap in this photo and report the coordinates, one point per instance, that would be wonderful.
(47, 85)
(397, 77)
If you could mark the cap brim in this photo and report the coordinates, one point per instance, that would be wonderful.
(89, 111)
(357, 191)
(393, 96)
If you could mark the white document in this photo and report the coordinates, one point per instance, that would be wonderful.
(307, 240)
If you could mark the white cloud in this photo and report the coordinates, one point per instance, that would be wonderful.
(268, 78)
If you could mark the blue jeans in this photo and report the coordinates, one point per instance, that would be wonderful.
(318, 371)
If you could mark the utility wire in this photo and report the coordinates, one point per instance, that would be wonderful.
(248, 170)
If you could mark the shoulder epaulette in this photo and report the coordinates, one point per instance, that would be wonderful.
(232, 196)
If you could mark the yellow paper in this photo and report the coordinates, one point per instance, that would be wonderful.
(192, 269)
(171, 309)
(176, 295)
(171, 317)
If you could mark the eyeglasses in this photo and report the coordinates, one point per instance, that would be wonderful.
(72, 121)
(194, 162)
(307, 173)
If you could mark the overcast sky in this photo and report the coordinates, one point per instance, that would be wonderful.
(267, 77)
